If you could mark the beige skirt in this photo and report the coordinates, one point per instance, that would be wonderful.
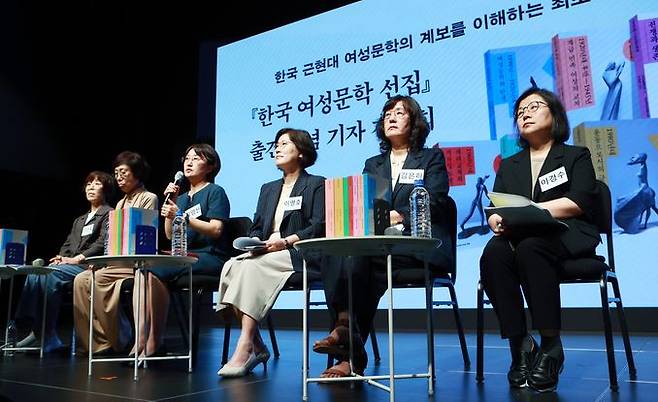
(252, 283)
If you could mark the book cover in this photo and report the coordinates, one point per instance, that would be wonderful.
(329, 207)
(509, 72)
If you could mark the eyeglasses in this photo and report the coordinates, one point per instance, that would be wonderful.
(121, 172)
(399, 113)
(530, 107)
(193, 159)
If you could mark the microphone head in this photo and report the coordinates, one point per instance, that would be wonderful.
(39, 262)
(178, 177)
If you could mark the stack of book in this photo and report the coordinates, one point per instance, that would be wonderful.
(13, 246)
(356, 205)
(132, 231)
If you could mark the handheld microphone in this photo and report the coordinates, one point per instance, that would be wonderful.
(177, 179)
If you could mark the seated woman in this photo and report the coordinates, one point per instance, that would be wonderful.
(206, 209)
(251, 282)
(533, 263)
(85, 240)
(402, 130)
(111, 326)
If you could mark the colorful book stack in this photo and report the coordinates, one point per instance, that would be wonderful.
(132, 231)
(13, 246)
(354, 204)
(644, 45)
(573, 71)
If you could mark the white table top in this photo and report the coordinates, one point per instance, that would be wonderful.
(369, 246)
(7, 271)
(146, 260)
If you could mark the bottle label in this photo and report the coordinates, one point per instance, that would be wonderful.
(292, 203)
(194, 212)
(409, 176)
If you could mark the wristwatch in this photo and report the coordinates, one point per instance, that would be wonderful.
(287, 243)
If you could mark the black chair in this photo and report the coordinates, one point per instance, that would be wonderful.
(235, 227)
(584, 270)
(415, 278)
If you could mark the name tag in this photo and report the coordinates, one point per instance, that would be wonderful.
(408, 176)
(553, 179)
(194, 212)
(292, 203)
(87, 230)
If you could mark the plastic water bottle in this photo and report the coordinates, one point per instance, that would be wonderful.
(419, 206)
(179, 235)
(12, 333)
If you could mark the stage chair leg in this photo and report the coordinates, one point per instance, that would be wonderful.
(624, 329)
(479, 360)
(227, 335)
(609, 345)
(460, 327)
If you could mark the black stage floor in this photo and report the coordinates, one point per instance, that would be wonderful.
(585, 377)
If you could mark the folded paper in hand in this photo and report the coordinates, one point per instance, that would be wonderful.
(248, 244)
(522, 217)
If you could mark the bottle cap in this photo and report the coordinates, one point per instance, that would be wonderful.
(419, 183)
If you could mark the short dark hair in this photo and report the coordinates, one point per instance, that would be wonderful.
(303, 142)
(420, 128)
(106, 180)
(560, 131)
(209, 155)
(137, 164)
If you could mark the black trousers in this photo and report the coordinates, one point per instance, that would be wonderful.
(368, 284)
(533, 264)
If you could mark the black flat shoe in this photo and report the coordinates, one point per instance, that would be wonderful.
(522, 362)
(546, 370)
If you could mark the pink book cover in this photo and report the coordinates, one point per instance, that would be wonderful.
(360, 229)
(329, 207)
(125, 232)
(350, 205)
(354, 206)
(573, 71)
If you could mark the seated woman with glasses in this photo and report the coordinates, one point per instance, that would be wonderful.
(206, 209)
(533, 262)
(112, 329)
(402, 130)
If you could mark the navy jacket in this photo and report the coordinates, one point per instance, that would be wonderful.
(431, 160)
(307, 222)
(514, 176)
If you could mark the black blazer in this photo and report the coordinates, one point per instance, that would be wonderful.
(307, 222)
(514, 176)
(92, 244)
(431, 160)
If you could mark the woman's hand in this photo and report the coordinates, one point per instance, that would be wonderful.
(271, 246)
(275, 245)
(169, 209)
(496, 224)
(173, 190)
(396, 217)
(56, 260)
